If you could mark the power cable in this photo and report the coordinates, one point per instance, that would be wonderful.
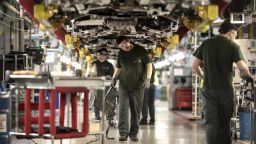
(13, 17)
(10, 16)
(3, 23)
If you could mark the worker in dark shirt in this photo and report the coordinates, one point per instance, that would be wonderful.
(217, 55)
(101, 67)
(133, 69)
(149, 98)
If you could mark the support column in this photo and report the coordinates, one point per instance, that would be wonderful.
(251, 31)
(21, 31)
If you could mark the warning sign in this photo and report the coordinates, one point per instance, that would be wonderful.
(3, 122)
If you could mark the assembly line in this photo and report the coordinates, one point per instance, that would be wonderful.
(127, 71)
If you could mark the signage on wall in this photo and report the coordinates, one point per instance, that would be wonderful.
(3, 122)
(178, 72)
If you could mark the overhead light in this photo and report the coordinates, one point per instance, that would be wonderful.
(177, 57)
(161, 64)
(218, 20)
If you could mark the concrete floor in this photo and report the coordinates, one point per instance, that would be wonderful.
(171, 127)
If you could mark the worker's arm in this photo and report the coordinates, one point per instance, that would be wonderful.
(243, 68)
(146, 83)
(93, 70)
(116, 73)
(149, 70)
(196, 67)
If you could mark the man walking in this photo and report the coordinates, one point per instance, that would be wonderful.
(133, 69)
(216, 55)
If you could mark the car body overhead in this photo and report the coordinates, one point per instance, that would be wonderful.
(97, 23)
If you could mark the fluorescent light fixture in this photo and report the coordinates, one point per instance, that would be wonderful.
(176, 57)
(161, 64)
(218, 20)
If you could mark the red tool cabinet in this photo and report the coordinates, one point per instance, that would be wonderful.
(184, 97)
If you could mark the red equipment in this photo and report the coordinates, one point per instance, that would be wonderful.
(41, 119)
(184, 97)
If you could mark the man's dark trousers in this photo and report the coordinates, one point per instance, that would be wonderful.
(218, 109)
(134, 100)
(149, 104)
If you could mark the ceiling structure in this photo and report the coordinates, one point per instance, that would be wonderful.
(96, 23)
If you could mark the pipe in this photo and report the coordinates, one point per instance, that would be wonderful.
(13, 9)
(21, 33)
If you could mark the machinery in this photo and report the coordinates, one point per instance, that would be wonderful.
(180, 87)
(97, 23)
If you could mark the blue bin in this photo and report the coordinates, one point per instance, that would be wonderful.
(245, 125)
(4, 119)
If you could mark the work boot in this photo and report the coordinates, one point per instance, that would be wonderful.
(143, 122)
(123, 137)
(134, 138)
(151, 122)
(98, 118)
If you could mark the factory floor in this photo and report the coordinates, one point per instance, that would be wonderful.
(171, 127)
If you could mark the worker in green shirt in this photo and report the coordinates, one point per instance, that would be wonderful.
(217, 55)
(101, 67)
(133, 70)
(149, 98)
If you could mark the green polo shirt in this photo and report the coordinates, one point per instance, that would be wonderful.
(218, 55)
(104, 68)
(133, 67)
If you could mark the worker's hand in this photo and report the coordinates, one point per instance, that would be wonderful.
(247, 78)
(146, 84)
(108, 77)
(113, 83)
